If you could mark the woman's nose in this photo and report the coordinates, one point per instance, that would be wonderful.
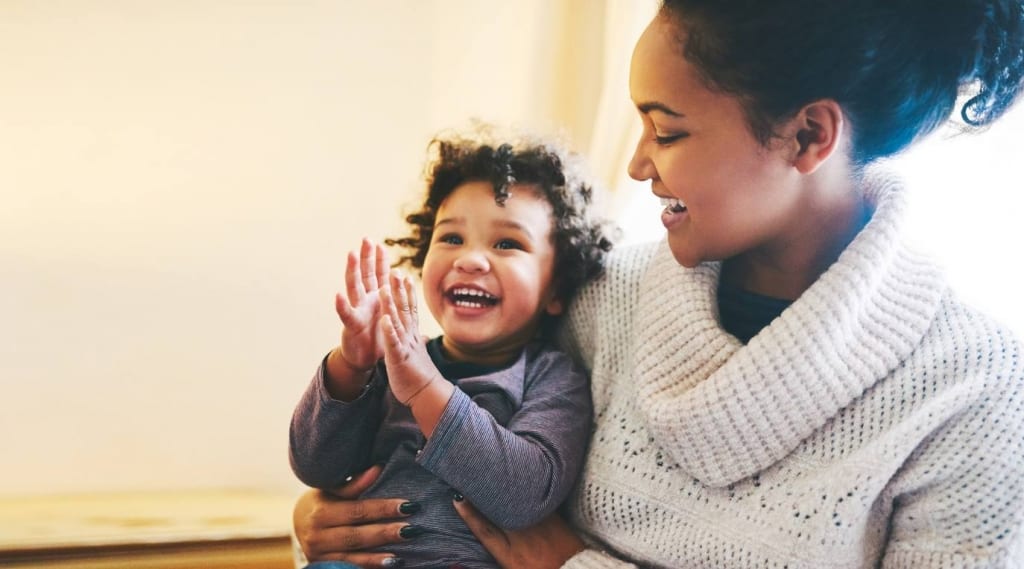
(640, 167)
(472, 262)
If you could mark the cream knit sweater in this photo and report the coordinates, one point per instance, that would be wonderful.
(877, 422)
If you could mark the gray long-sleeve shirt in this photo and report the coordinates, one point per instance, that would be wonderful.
(512, 441)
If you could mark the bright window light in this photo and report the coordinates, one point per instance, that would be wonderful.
(966, 197)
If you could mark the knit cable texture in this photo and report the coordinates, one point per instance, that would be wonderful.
(877, 422)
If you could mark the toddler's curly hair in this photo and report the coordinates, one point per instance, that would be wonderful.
(581, 242)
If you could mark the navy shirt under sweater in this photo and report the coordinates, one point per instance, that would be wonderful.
(511, 440)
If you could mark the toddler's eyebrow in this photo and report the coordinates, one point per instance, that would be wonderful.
(450, 220)
(514, 225)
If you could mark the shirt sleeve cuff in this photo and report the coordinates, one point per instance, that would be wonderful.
(594, 559)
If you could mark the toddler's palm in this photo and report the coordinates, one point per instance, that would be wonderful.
(409, 365)
(359, 307)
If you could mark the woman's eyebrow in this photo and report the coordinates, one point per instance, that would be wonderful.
(647, 107)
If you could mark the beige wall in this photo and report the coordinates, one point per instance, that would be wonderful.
(180, 181)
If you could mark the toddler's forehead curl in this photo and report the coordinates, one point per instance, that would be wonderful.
(504, 157)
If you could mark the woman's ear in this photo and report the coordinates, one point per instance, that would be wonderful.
(820, 127)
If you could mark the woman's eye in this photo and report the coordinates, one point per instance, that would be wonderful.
(666, 140)
(508, 244)
(450, 238)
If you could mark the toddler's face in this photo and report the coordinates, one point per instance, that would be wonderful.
(487, 276)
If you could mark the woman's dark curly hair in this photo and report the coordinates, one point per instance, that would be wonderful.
(581, 241)
(896, 67)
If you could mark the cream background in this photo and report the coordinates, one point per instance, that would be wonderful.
(180, 181)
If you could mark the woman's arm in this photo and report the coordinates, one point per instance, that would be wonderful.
(547, 545)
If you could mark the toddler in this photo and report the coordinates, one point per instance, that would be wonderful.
(490, 410)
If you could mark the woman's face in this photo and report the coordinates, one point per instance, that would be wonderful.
(726, 194)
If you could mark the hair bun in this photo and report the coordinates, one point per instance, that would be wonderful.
(995, 81)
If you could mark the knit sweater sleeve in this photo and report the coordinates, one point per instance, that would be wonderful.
(330, 440)
(594, 559)
(959, 499)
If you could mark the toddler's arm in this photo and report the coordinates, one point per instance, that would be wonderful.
(329, 439)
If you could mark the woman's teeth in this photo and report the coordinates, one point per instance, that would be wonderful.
(673, 205)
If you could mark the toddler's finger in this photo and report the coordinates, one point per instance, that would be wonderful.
(410, 293)
(392, 341)
(353, 279)
(345, 312)
(401, 301)
(407, 303)
(382, 265)
(387, 304)
(395, 309)
(368, 257)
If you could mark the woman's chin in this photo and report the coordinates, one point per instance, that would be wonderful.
(683, 255)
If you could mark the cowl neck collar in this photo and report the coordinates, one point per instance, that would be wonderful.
(726, 411)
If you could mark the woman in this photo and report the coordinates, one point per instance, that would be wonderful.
(782, 382)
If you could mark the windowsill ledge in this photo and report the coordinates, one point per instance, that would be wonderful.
(220, 524)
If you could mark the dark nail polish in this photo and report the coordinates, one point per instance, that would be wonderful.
(458, 497)
(392, 562)
(411, 531)
(408, 508)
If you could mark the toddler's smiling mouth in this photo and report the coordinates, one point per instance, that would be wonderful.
(470, 297)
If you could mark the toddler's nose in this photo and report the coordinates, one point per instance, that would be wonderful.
(472, 262)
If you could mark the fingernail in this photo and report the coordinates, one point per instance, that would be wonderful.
(409, 508)
(392, 562)
(458, 497)
(411, 531)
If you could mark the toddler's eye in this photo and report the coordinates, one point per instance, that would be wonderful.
(450, 238)
(508, 244)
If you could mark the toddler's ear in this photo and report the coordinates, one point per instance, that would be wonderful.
(554, 307)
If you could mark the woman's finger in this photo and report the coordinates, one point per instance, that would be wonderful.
(348, 543)
(364, 560)
(491, 536)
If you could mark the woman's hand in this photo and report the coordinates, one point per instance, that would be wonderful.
(546, 545)
(359, 308)
(334, 526)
